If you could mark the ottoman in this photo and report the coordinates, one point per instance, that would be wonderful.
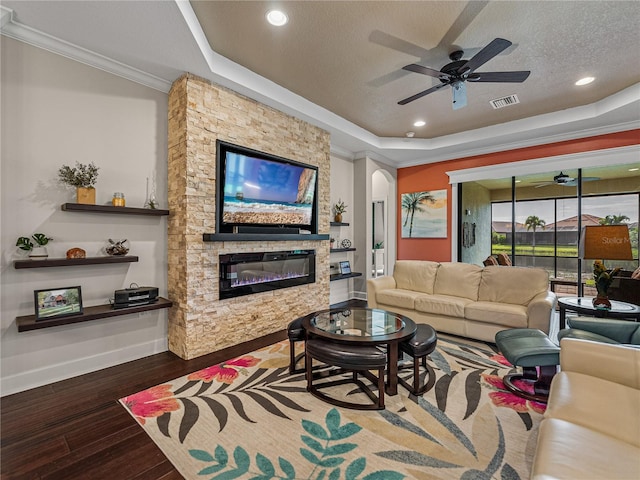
(418, 348)
(538, 356)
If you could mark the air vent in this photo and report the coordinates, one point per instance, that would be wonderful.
(504, 101)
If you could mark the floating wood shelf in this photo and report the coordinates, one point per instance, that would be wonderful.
(81, 207)
(333, 250)
(341, 276)
(29, 322)
(255, 237)
(66, 262)
(339, 224)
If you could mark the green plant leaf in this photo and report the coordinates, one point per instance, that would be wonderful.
(287, 468)
(310, 456)
(332, 420)
(384, 475)
(221, 455)
(322, 474)
(331, 462)
(315, 429)
(346, 431)
(313, 444)
(340, 449)
(335, 474)
(265, 465)
(242, 459)
(355, 468)
(201, 455)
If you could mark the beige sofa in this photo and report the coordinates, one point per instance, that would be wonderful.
(591, 429)
(465, 299)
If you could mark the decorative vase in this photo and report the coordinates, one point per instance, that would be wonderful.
(338, 218)
(86, 195)
(602, 301)
(38, 252)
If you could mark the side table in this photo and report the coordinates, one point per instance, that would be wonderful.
(584, 305)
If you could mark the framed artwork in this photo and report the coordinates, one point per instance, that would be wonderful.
(424, 214)
(57, 302)
(345, 267)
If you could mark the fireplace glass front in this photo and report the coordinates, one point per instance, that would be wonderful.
(255, 272)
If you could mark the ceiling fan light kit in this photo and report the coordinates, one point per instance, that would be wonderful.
(460, 71)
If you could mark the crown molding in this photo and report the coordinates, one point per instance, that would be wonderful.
(594, 158)
(9, 27)
(348, 140)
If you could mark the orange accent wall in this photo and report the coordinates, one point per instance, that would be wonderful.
(433, 177)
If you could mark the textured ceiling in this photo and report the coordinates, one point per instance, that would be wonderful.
(338, 65)
(348, 56)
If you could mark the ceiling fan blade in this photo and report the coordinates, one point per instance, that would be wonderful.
(414, 67)
(502, 77)
(496, 46)
(422, 94)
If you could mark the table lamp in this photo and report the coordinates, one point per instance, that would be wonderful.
(604, 242)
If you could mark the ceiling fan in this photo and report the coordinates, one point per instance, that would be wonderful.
(565, 180)
(460, 71)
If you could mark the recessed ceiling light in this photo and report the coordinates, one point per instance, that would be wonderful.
(585, 81)
(634, 169)
(419, 123)
(277, 18)
(410, 134)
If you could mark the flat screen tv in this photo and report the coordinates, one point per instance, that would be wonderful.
(256, 189)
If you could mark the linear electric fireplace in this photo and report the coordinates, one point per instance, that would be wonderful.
(248, 273)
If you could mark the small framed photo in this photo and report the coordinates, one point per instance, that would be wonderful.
(57, 302)
(345, 267)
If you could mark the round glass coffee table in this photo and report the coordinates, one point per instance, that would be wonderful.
(584, 305)
(364, 326)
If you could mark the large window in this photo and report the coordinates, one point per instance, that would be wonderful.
(543, 228)
(545, 232)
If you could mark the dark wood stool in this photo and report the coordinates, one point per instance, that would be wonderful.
(538, 356)
(350, 358)
(418, 347)
(296, 333)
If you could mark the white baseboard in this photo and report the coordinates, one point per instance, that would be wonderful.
(61, 371)
(359, 295)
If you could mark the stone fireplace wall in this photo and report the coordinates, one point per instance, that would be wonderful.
(200, 113)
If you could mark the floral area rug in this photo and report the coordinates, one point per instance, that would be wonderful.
(247, 418)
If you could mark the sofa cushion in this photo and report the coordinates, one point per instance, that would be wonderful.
(441, 305)
(567, 450)
(458, 280)
(515, 285)
(417, 275)
(505, 314)
(398, 298)
(575, 397)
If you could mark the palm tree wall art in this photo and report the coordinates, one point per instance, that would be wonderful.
(424, 214)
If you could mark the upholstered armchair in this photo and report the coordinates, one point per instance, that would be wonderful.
(602, 330)
(625, 288)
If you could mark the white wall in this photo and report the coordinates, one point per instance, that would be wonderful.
(56, 111)
(342, 188)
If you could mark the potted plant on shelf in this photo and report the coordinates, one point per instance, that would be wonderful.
(338, 209)
(84, 178)
(37, 250)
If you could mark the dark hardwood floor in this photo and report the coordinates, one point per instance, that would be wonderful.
(76, 429)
